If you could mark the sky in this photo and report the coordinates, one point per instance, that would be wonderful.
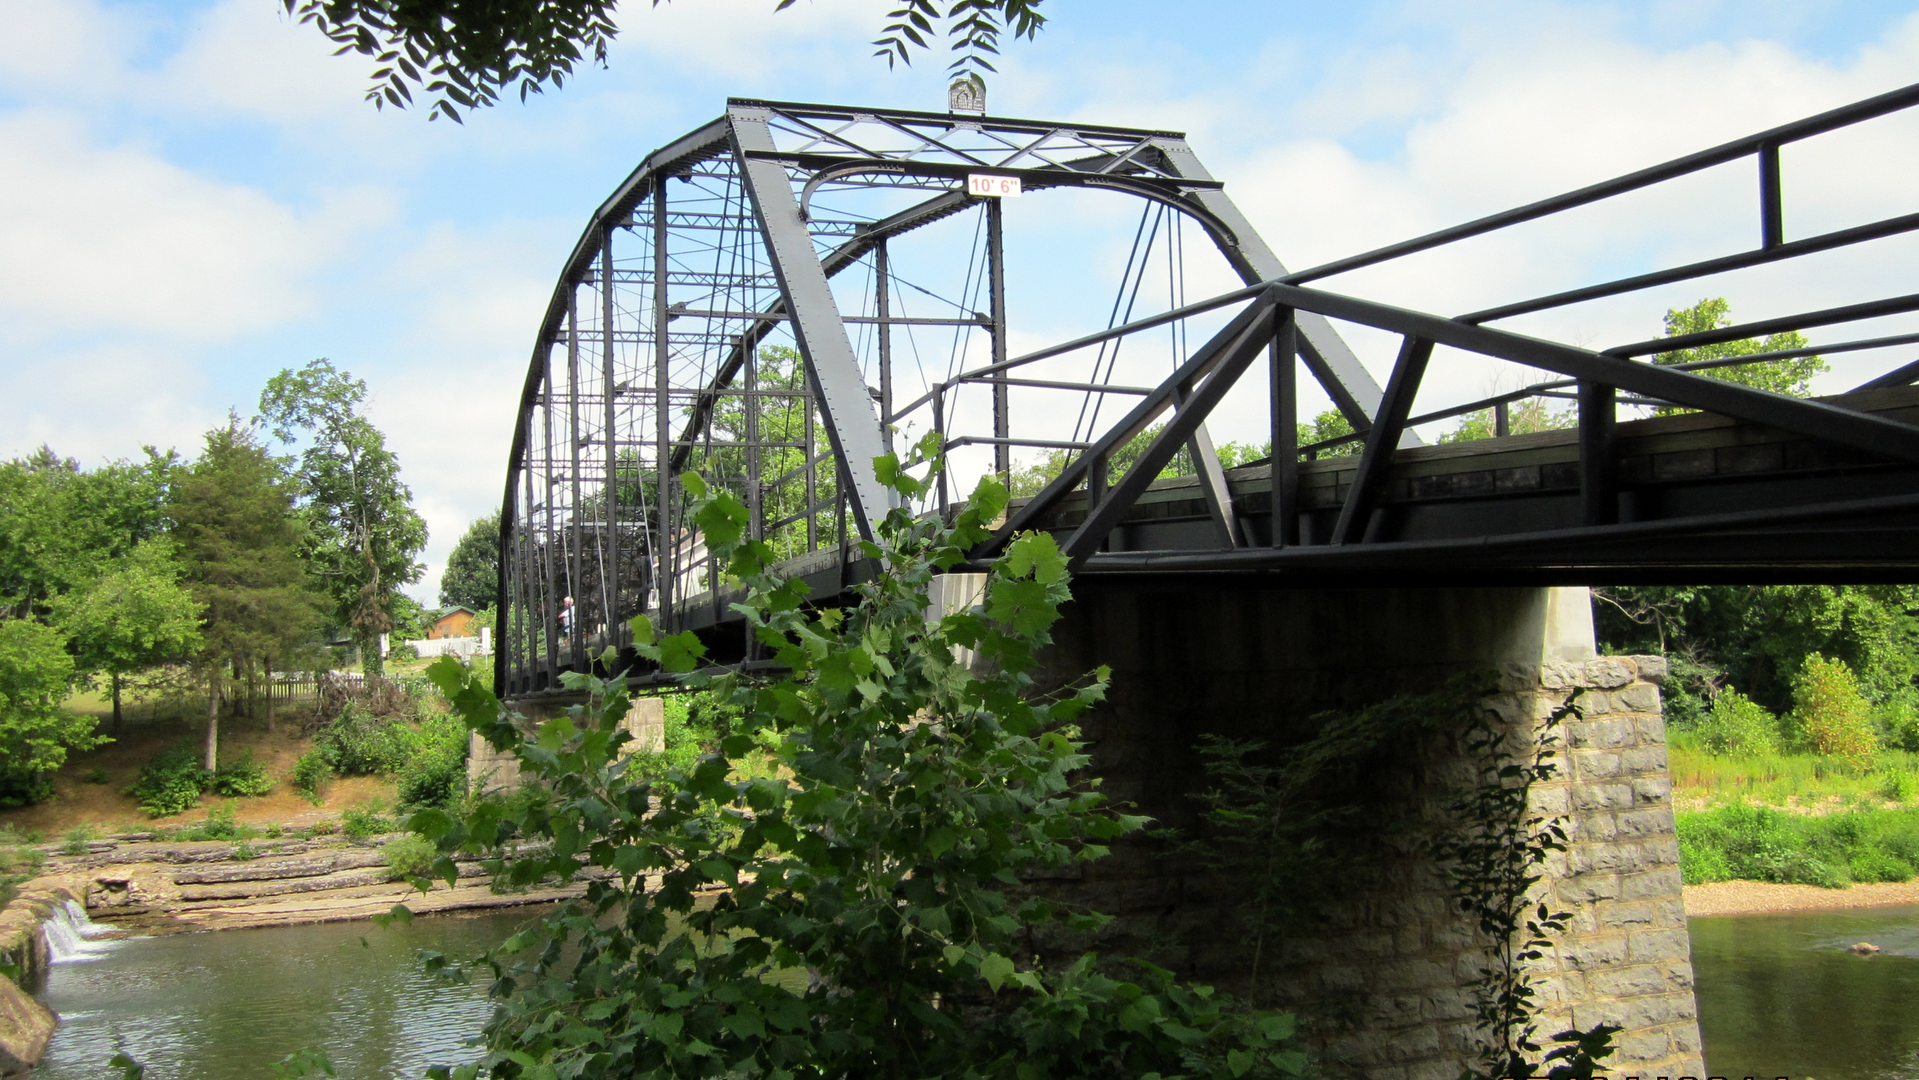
(194, 195)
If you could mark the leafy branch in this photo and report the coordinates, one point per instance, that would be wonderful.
(466, 53)
(854, 910)
(1491, 852)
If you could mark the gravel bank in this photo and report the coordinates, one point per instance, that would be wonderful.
(1762, 898)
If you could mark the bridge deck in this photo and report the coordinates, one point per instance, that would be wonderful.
(1696, 483)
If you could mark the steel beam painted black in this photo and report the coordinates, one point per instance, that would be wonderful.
(1230, 358)
(831, 365)
(1376, 460)
(1860, 431)
(1122, 432)
(1353, 389)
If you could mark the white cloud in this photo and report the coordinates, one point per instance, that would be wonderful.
(119, 238)
(102, 402)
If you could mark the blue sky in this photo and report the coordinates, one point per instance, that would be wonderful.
(194, 196)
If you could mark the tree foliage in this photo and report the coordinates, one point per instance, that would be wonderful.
(61, 526)
(1789, 376)
(363, 529)
(35, 730)
(1523, 417)
(134, 616)
(1033, 478)
(466, 53)
(472, 575)
(1756, 637)
(240, 542)
(865, 915)
(1829, 713)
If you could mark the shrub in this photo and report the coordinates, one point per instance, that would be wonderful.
(1830, 713)
(359, 742)
(435, 772)
(243, 777)
(243, 852)
(76, 840)
(311, 775)
(1899, 720)
(171, 783)
(364, 822)
(1878, 864)
(409, 856)
(221, 823)
(1736, 726)
(98, 775)
(1896, 786)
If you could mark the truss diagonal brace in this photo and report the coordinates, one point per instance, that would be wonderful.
(1231, 355)
(851, 424)
(1206, 359)
(1331, 360)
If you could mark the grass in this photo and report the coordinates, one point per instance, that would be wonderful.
(1796, 781)
(1799, 819)
(1758, 843)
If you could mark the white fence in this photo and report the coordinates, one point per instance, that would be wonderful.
(463, 647)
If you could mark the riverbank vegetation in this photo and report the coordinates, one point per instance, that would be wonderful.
(1793, 726)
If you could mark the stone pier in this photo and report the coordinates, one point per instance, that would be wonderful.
(1380, 976)
(491, 770)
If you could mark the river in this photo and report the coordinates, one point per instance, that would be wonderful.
(1781, 995)
(1778, 996)
(225, 1005)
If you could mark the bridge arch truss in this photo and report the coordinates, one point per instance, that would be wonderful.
(738, 308)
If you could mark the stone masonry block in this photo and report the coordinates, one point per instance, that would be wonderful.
(1560, 675)
(1631, 915)
(1651, 945)
(1650, 884)
(1639, 697)
(1595, 704)
(1651, 668)
(1656, 821)
(1603, 797)
(1652, 789)
(1593, 828)
(1551, 801)
(1643, 759)
(1609, 733)
(1595, 764)
(1607, 672)
(1597, 952)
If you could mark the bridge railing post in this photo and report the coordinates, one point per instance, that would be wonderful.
(1283, 356)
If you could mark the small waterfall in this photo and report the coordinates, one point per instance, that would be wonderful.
(71, 934)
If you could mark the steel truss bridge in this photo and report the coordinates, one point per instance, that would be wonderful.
(776, 298)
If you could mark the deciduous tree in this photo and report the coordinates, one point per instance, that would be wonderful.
(36, 731)
(364, 533)
(134, 616)
(61, 526)
(472, 575)
(1788, 376)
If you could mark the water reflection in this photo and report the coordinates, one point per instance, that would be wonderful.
(1781, 995)
(223, 1006)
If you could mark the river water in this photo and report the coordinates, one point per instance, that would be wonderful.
(1778, 996)
(226, 1005)
(1781, 995)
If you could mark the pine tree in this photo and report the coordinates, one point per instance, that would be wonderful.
(241, 541)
